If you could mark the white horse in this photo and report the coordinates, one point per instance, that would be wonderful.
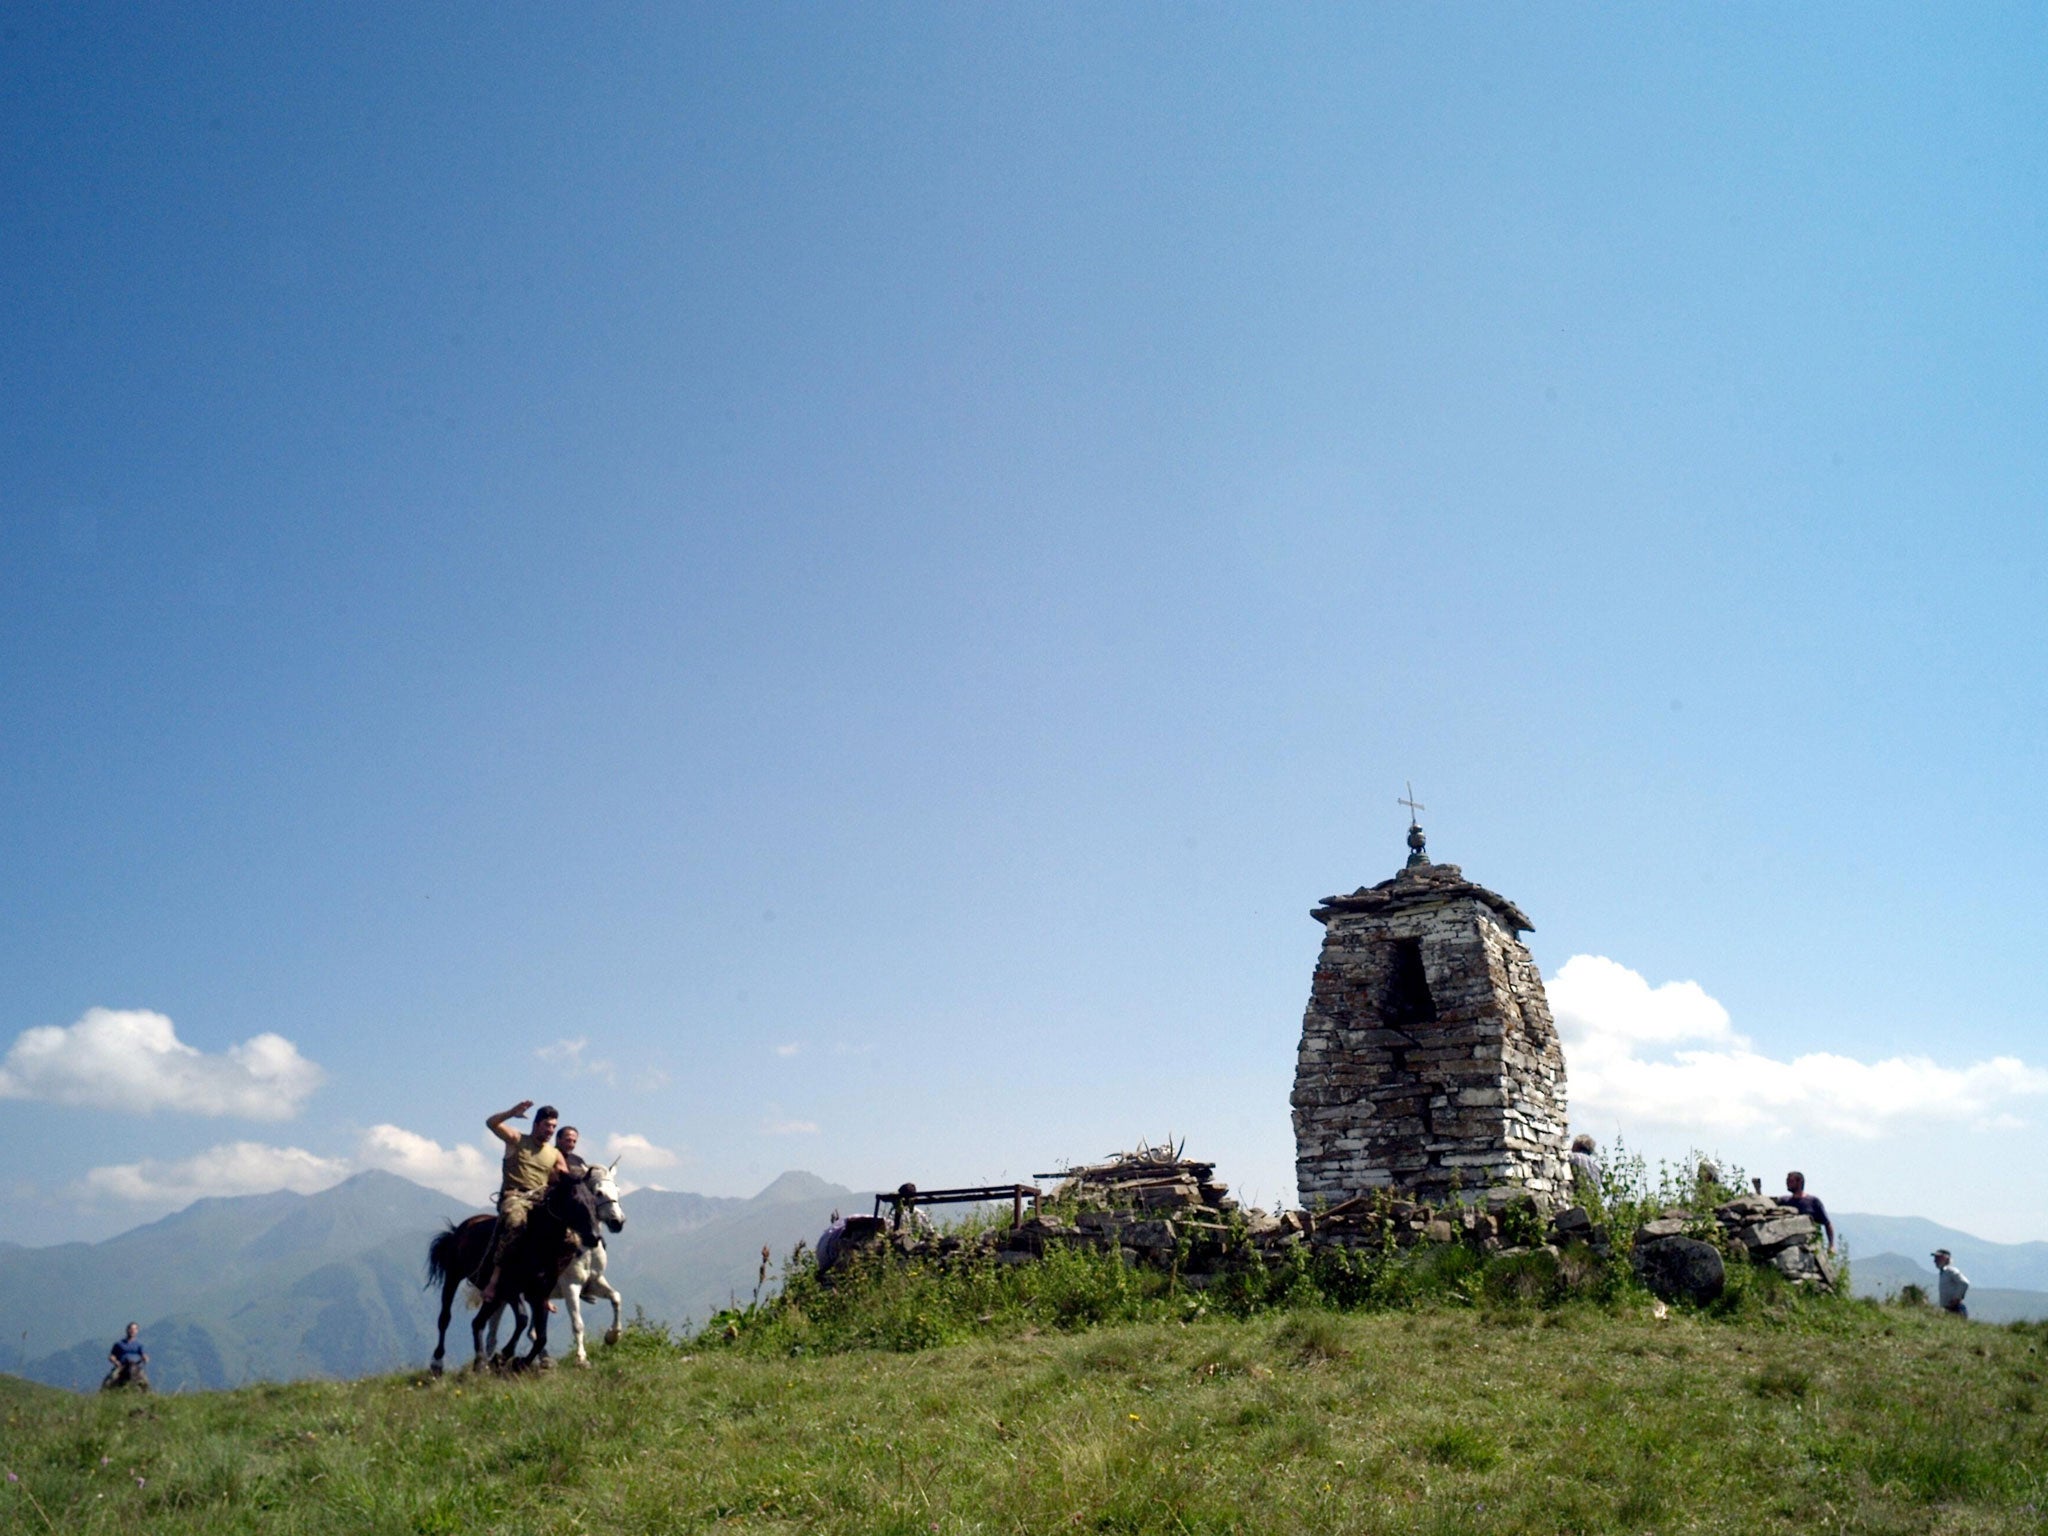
(585, 1277)
(585, 1274)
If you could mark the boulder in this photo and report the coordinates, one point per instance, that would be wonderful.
(1747, 1208)
(1662, 1227)
(1795, 1263)
(1681, 1268)
(1572, 1221)
(1766, 1238)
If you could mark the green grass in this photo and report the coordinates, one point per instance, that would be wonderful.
(1449, 1417)
(15, 1392)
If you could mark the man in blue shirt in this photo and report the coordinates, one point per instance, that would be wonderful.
(1807, 1205)
(127, 1358)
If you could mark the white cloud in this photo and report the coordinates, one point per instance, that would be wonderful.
(463, 1171)
(788, 1050)
(252, 1168)
(638, 1151)
(569, 1056)
(133, 1060)
(1669, 1056)
(236, 1168)
(777, 1127)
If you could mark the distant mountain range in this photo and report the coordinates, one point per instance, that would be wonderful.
(2008, 1281)
(281, 1286)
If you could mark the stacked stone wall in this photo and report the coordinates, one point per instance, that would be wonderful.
(1454, 1085)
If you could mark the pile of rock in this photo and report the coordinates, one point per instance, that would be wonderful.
(1153, 1206)
(1160, 1210)
(1773, 1234)
(1148, 1179)
(1168, 1212)
(1676, 1259)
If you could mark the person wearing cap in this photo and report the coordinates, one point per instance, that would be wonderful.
(532, 1162)
(1953, 1285)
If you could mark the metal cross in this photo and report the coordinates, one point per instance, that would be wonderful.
(1413, 805)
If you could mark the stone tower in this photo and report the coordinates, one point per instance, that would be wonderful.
(1428, 1057)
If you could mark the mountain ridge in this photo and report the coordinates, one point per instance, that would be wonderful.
(284, 1286)
(2012, 1266)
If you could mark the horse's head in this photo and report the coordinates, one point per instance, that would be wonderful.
(576, 1203)
(604, 1184)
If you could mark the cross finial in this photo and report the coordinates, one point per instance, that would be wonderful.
(1417, 847)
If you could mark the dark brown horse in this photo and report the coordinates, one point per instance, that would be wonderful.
(560, 1227)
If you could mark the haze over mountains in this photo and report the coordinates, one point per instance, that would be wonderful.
(280, 1286)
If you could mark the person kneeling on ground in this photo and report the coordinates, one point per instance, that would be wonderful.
(128, 1359)
(1953, 1285)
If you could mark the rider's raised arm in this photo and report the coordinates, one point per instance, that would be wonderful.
(497, 1127)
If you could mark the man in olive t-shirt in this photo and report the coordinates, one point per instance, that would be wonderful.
(531, 1163)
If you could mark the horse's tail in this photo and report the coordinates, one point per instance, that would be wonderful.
(444, 1254)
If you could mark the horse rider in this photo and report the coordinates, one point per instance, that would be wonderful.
(565, 1143)
(532, 1162)
(129, 1360)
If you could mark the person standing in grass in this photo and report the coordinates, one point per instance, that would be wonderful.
(129, 1361)
(1953, 1285)
(1809, 1206)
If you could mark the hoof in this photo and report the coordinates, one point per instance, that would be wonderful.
(582, 1363)
(434, 1369)
(611, 1335)
(544, 1363)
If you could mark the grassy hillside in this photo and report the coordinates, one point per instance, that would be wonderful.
(1813, 1416)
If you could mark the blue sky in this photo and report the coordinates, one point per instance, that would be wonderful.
(826, 587)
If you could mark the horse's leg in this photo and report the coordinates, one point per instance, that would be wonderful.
(571, 1292)
(602, 1288)
(485, 1317)
(503, 1357)
(448, 1289)
(491, 1333)
(538, 1355)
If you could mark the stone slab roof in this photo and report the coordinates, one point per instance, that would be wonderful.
(1423, 885)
